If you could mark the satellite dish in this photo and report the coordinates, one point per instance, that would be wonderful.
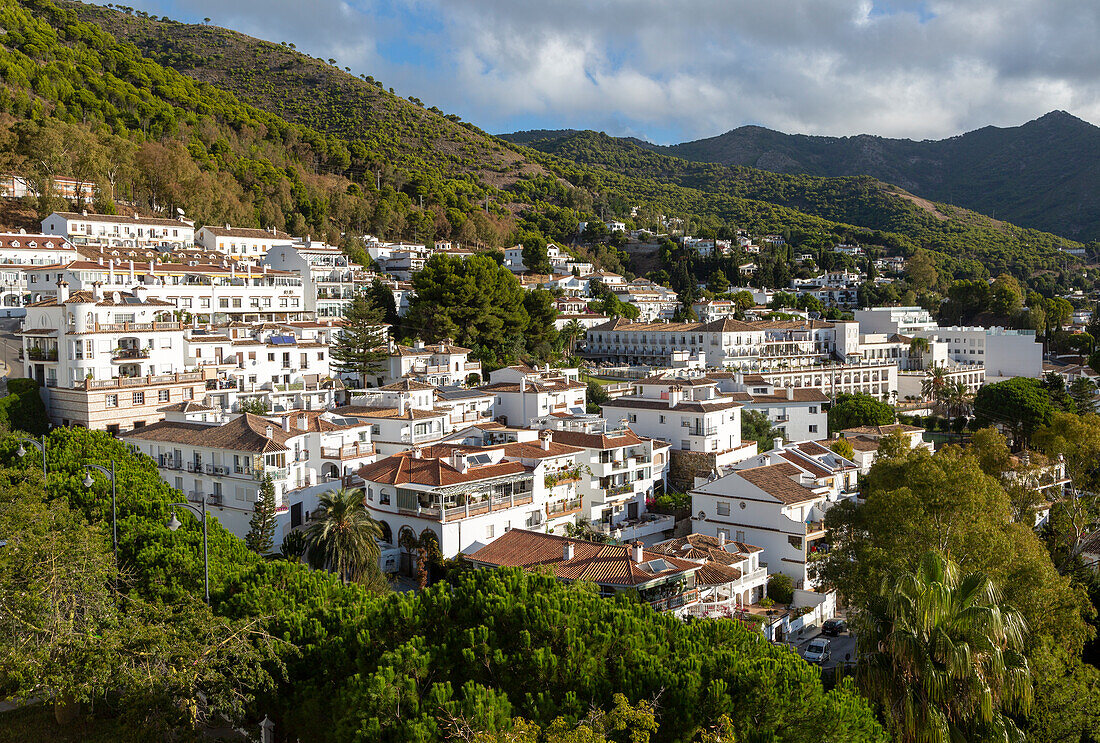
(179, 211)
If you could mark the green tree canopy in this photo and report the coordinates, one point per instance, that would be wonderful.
(851, 411)
(1019, 405)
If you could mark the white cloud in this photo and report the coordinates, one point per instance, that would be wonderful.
(679, 70)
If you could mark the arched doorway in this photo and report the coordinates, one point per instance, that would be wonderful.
(407, 541)
(387, 532)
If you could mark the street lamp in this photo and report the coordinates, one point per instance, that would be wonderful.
(110, 474)
(174, 523)
(41, 446)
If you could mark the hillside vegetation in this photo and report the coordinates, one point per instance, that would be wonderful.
(1041, 174)
(256, 133)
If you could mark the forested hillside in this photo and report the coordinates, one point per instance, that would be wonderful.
(1041, 174)
(258, 134)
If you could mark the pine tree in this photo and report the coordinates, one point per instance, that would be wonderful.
(261, 527)
(356, 350)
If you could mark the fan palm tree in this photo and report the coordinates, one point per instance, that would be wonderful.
(943, 656)
(919, 347)
(957, 397)
(934, 383)
(342, 536)
(571, 332)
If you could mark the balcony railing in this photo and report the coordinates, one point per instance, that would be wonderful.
(564, 508)
(146, 381)
(123, 327)
(129, 354)
(478, 508)
(674, 601)
(351, 451)
(42, 354)
(619, 489)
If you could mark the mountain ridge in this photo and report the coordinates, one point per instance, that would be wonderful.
(1039, 174)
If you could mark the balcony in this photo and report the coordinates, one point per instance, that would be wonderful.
(701, 430)
(42, 354)
(616, 490)
(672, 601)
(276, 473)
(127, 355)
(564, 508)
(815, 529)
(496, 503)
(124, 327)
(351, 451)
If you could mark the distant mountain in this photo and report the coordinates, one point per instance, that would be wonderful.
(1044, 174)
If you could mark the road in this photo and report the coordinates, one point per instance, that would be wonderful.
(10, 365)
(841, 649)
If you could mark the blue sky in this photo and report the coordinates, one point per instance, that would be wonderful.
(675, 70)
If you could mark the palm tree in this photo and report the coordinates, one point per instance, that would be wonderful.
(918, 347)
(943, 656)
(342, 536)
(934, 382)
(572, 331)
(957, 397)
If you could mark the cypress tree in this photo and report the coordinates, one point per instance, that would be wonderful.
(261, 527)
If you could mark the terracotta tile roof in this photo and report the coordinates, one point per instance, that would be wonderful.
(881, 430)
(703, 547)
(404, 468)
(362, 411)
(859, 443)
(801, 394)
(540, 385)
(407, 385)
(120, 219)
(601, 440)
(684, 406)
(187, 406)
(85, 296)
(775, 480)
(603, 564)
(534, 450)
(247, 232)
(9, 240)
(809, 465)
(246, 432)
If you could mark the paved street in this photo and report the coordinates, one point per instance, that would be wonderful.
(10, 365)
(842, 648)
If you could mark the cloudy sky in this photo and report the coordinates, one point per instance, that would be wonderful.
(674, 70)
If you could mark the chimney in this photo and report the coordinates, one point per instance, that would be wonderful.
(416, 452)
(97, 291)
(140, 292)
(545, 436)
(269, 432)
(227, 225)
(567, 551)
(636, 552)
(722, 539)
(62, 290)
(99, 260)
(777, 443)
(790, 393)
(674, 395)
(303, 423)
(286, 423)
(458, 461)
(83, 212)
(523, 384)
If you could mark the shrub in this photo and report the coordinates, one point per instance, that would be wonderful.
(780, 589)
(22, 409)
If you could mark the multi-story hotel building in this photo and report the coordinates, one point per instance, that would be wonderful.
(107, 360)
(244, 244)
(20, 251)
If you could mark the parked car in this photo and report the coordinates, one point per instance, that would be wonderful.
(817, 651)
(834, 627)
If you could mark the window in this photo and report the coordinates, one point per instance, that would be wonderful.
(164, 396)
(384, 497)
(111, 401)
(724, 533)
(795, 542)
(139, 398)
(813, 410)
(685, 445)
(489, 531)
(740, 536)
(662, 419)
(189, 394)
(723, 508)
(813, 428)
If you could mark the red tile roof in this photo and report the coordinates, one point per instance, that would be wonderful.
(603, 564)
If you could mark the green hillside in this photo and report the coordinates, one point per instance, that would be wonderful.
(1041, 174)
(862, 201)
(256, 133)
